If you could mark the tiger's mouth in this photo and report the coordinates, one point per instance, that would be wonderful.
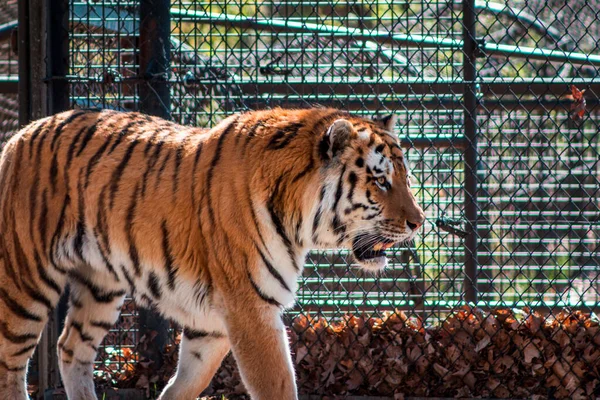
(369, 251)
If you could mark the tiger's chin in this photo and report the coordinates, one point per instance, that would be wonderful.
(375, 264)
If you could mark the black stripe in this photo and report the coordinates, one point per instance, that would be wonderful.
(80, 230)
(369, 217)
(265, 298)
(79, 328)
(107, 263)
(324, 145)
(24, 350)
(88, 136)
(271, 207)
(197, 355)
(152, 161)
(101, 228)
(133, 252)
(284, 136)
(121, 135)
(297, 234)
(101, 324)
(11, 369)
(318, 214)
(161, 170)
(214, 163)
(43, 221)
(15, 338)
(192, 334)
(75, 303)
(306, 170)
(169, 259)
(95, 159)
(178, 160)
(154, 285)
(368, 195)
(53, 172)
(116, 176)
(16, 308)
(62, 125)
(70, 153)
(254, 128)
(36, 295)
(36, 133)
(44, 275)
(21, 258)
(151, 141)
(273, 271)
(352, 179)
(194, 168)
(251, 133)
(65, 350)
(128, 279)
(11, 271)
(339, 190)
(99, 294)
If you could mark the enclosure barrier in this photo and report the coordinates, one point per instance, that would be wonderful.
(498, 295)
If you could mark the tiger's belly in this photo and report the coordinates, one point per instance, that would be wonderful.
(189, 303)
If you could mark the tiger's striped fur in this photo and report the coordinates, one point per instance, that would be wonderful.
(210, 227)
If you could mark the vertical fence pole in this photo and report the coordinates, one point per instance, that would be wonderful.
(155, 99)
(58, 55)
(24, 63)
(154, 56)
(470, 155)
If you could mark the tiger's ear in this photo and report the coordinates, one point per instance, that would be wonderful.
(336, 139)
(388, 122)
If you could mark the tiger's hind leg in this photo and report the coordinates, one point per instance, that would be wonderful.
(26, 300)
(200, 355)
(93, 309)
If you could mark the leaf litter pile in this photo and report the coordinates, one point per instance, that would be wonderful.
(500, 354)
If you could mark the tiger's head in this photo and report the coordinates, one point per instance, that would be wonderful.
(372, 206)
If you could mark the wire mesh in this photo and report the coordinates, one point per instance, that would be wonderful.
(9, 108)
(536, 178)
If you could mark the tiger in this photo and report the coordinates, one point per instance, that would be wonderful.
(210, 227)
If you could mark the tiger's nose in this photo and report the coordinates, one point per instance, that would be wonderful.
(413, 226)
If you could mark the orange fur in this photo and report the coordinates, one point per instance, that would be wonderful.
(211, 227)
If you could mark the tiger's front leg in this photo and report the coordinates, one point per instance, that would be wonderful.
(200, 355)
(261, 349)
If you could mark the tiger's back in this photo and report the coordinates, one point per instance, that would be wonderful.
(210, 227)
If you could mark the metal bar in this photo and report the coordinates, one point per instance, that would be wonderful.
(154, 94)
(537, 87)
(9, 84)
(24, 64)
(280, 25)
(470, 154)
(532, 53)
(58, 54)
(408, 40)
(7, 29)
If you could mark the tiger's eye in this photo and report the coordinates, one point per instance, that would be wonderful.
(382, 181)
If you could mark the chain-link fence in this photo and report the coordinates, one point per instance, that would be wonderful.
(9, 108)
(496, 297)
